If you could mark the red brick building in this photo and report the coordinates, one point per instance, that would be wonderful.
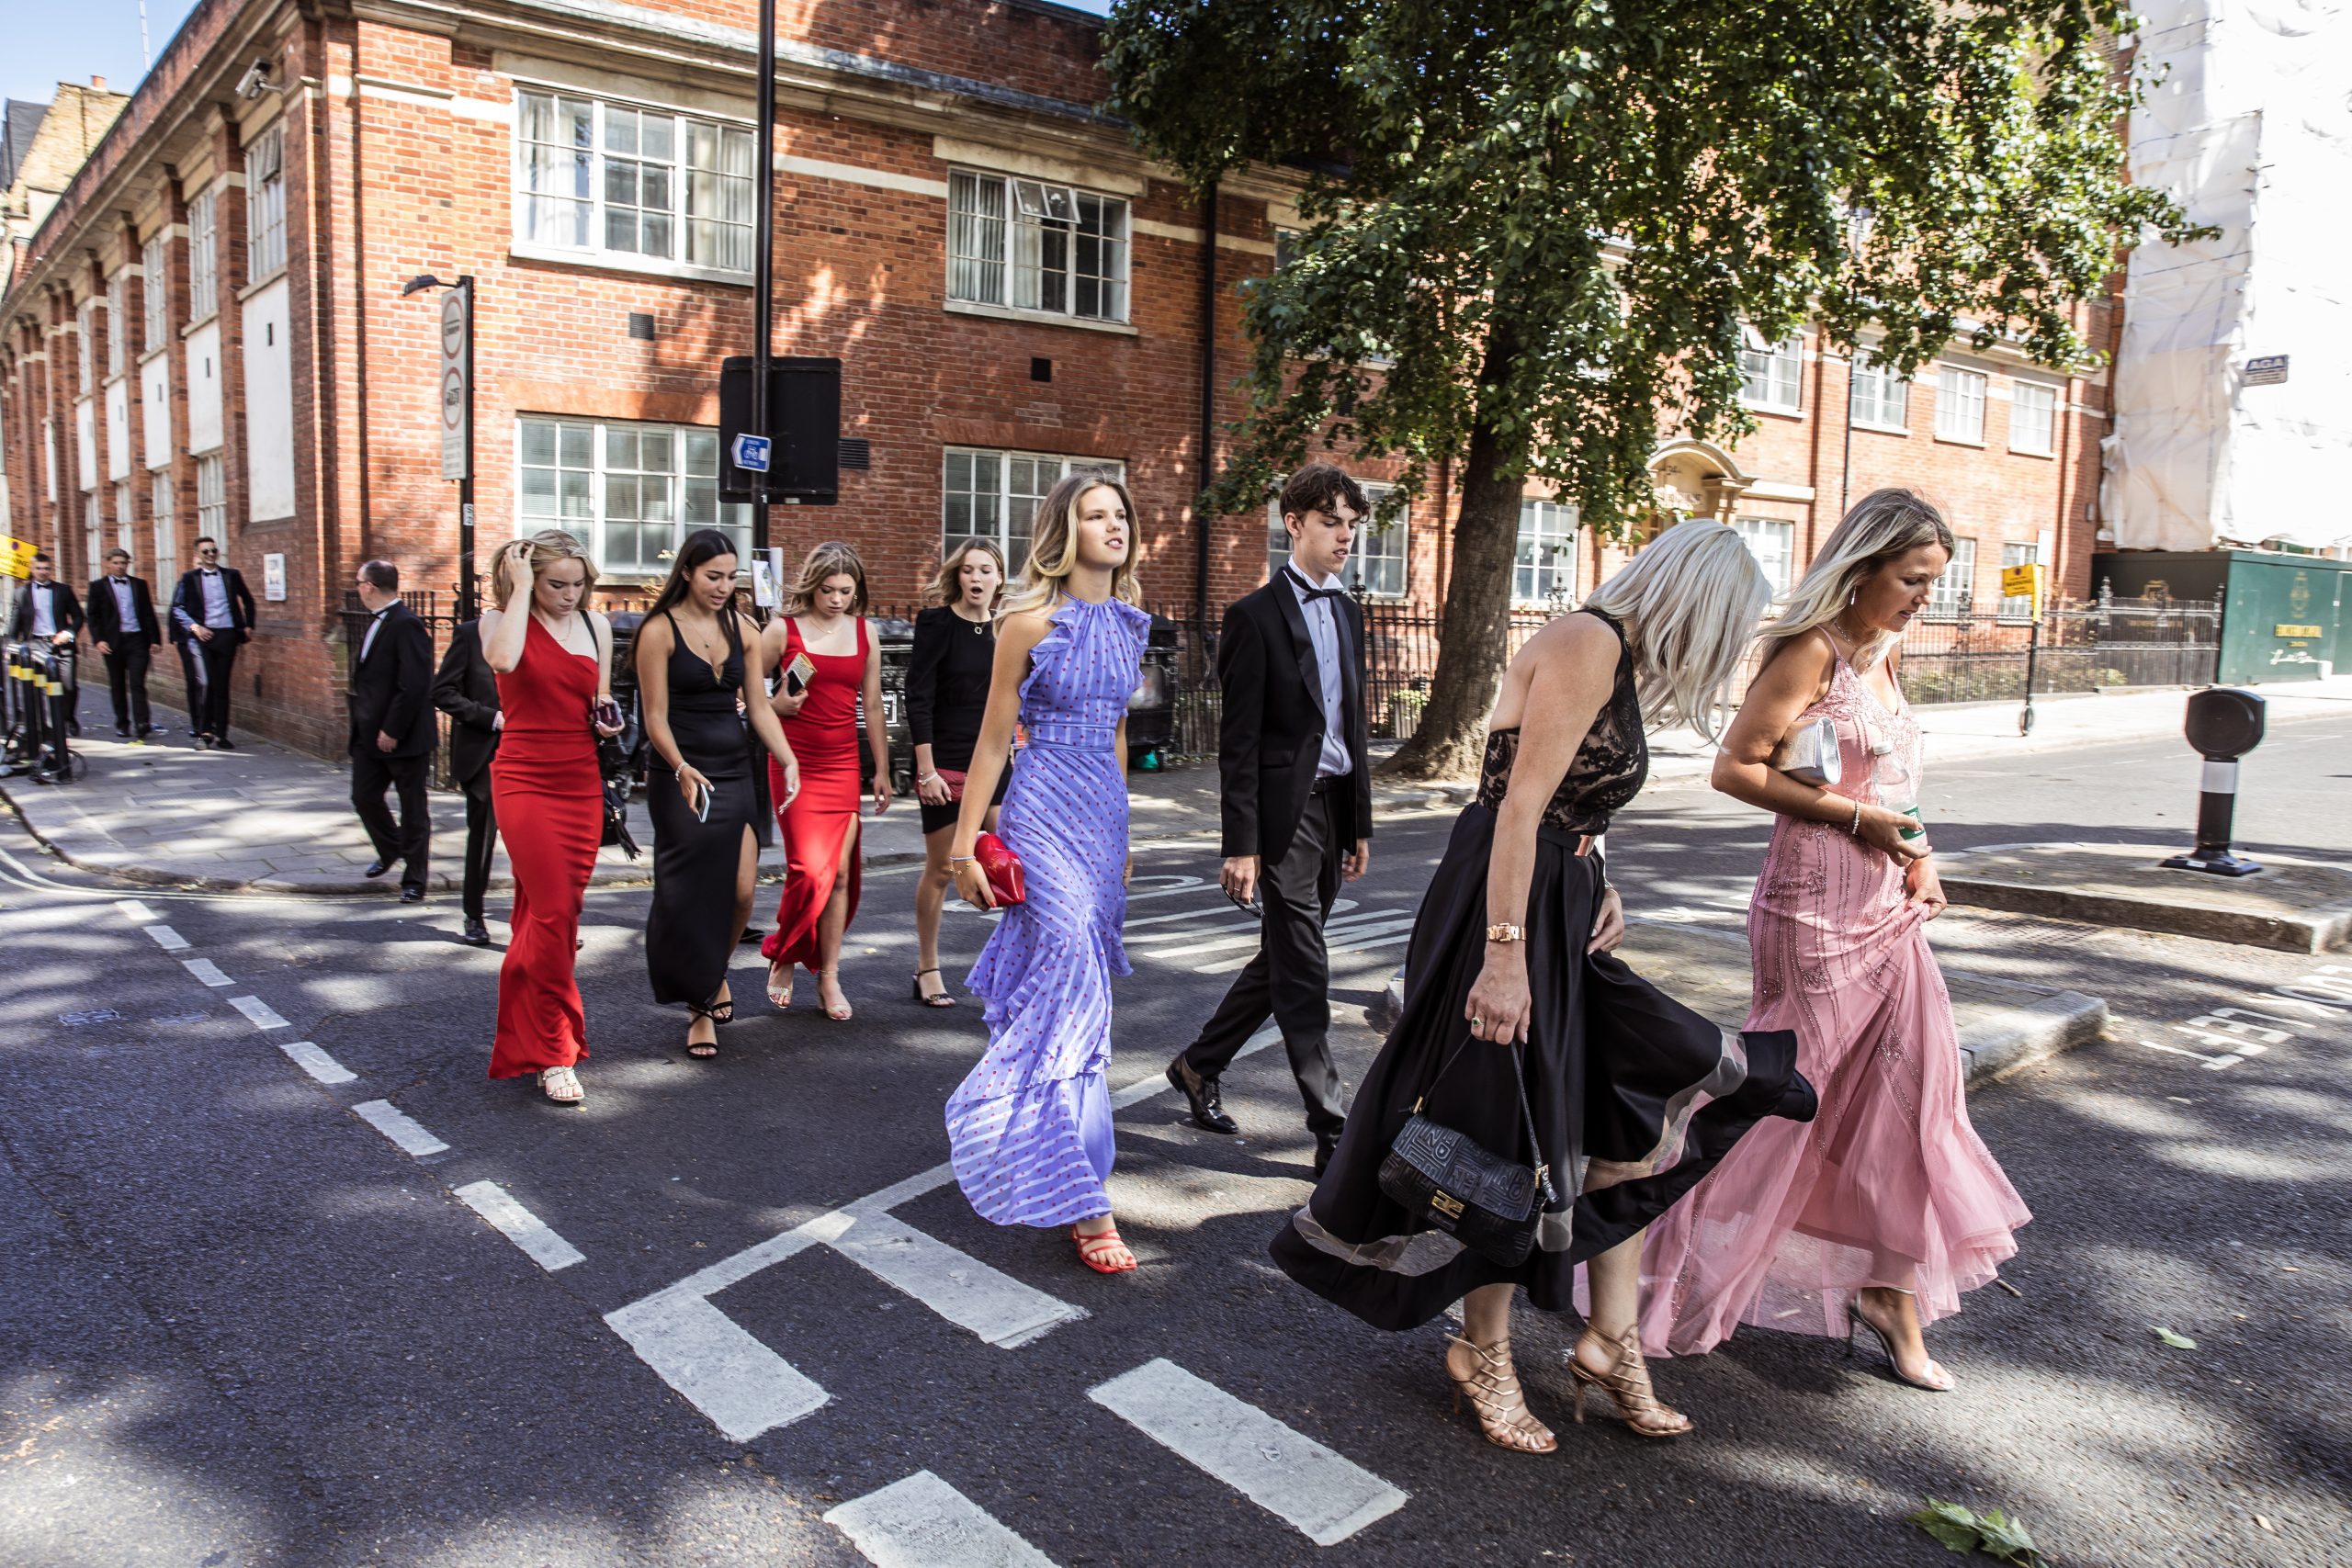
(207, 334)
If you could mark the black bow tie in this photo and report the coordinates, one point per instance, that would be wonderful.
(1309, 593)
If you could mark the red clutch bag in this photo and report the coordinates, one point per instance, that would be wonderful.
(1001, 867)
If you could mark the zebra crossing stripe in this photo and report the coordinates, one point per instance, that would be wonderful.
(519, 1226)
(207, 971)
(317, 1063)
(137, 913)
(168, 939)
(400, 1127)
(259, 1014)
(960, 1288)
(923, 1522)
(1325, 1495)
(743, 1387)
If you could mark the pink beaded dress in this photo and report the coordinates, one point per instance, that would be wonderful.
(1889, 1185)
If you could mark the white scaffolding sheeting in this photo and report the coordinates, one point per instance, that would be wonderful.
(2250, 128)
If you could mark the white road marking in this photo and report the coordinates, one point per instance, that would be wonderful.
(923, 1522)
(262, 1015)
(1144, 1087)
(1325, 1495)
(1334, 936)
(210, 973)
(168, 939)
(960, 1288)
(1363, 939)
(398, 1126)
(317, 1063)
(521, 1226)
(1339, 907)
(741, 1385)
(137, 913)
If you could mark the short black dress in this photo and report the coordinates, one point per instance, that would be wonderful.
(690, 930)
(947, 692)
(1635, 1097)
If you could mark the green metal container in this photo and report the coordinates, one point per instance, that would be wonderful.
(2284, 617)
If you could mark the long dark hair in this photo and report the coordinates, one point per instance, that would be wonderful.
(694, 551)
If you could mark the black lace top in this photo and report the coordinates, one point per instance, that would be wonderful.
(1608, 770)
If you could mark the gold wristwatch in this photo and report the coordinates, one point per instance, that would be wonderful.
(1500, 932)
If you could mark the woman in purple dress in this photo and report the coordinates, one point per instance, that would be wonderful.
(1030, 1127)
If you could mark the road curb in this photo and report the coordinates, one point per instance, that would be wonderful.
(2312, 931)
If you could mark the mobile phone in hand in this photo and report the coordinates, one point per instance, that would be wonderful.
(1247, 906)
(702, 804)
(609, 713)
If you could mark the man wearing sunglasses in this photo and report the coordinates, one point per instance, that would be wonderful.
(213, 611)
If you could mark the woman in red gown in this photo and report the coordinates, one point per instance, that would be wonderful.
(830, 664)
(553, 660)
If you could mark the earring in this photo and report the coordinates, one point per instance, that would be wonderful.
(1853, 598)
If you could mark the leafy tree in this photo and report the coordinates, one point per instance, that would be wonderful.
(1536, 228)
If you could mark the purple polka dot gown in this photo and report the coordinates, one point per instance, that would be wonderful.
(1030, 1127)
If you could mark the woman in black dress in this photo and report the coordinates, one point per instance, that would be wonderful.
(708, 822)
(1633, 1096)
(947, 690)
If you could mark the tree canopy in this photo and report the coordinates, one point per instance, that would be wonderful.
(1535, 230)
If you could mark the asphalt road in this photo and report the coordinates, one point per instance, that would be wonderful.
(241, 1325)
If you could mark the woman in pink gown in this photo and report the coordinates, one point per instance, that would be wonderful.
(1882, 1211)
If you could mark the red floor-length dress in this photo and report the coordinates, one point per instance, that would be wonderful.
(824, 736)
(550, 805)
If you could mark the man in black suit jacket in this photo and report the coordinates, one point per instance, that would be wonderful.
(467, 692)
(1294, 756)
(124, 630)
(48, 612)
(392, 730)
(212, 606)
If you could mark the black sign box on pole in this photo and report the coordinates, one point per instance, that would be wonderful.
(804, 426)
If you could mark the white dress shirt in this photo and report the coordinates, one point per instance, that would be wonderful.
(125, 610)
(44, 609)
(216, 597)
(375, 625)
(1323, 631)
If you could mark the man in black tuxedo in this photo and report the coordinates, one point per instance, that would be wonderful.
(467, 692)
(124, 630)
(1293, 753)
(213, 606)
(48, 612)
(392, 731)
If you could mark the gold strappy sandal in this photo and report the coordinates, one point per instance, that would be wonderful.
(1492, 1388)
(1627, 1384)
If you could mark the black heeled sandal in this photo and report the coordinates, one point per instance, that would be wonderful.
(941, 1001)
(704, 1051)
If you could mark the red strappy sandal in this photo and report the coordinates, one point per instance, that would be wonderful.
(1093, 1249)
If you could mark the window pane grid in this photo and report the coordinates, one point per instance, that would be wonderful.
(1955, 590)
(1036, 246)
(1376, 566)
(166, 565)
(266, 203)
(1547, 552)
(630, 491)
(118, 320)
(2018, 607)
(211, 498)
(203, 258)
(1882, 398)
(1771, 377)
(607, 177)
(155, 290)
(85, 325)
(994, 495)
(125, 517)
(1772, 542)
(1960, 404)
(2034, 408)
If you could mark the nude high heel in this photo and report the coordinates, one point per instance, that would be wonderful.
(1492, 1388)
(1627, 1384)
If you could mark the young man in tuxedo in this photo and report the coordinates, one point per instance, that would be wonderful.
(1297, 799)
(124, 630)
(467, 692)
(48, 612)
(213, 606)
(392, 731)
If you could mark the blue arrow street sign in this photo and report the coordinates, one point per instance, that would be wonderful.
(752, 454)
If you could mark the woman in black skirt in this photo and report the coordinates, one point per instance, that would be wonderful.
(708, 819)
(947, 690)
(1634, 1097)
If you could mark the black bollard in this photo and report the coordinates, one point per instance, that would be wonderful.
(2224, 723)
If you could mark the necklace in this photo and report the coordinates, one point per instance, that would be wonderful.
(1838, 622)
(980, 627)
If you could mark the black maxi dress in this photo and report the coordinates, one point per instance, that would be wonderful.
(1635, 1097)
(690, 932)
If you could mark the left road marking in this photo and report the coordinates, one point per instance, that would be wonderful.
(923, 1522)
(168, 939)
(208, 972)
(317, 1063)
(743, 1387)
(397, 1125)
(260, 1012)
(519, 1226)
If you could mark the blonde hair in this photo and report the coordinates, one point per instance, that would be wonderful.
(1690, 599)
(1053, 546)
(549, 546)
(948, 587)
(1884, 525)
(832, 558)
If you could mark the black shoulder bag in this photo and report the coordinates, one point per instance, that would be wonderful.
(613, 753)
(1452, 1182)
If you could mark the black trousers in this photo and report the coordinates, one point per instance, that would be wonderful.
(411, 840)
(1290, 975)
(220, 656)
(127, 683)
(482, 842)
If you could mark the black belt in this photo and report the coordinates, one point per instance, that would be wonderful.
(1327, 782)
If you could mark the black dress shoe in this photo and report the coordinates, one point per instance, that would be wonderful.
(375, 869)
(221, 743)
(1203, 1094)
(1326, 1146)
(477, 933)
(153, 729)
(123, 730)
(411, 894)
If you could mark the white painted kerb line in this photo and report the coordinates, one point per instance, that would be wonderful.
(317, 1063)
(743, 1387)
(397, 1125)
(207, 971)
(923, 1522)
(1326, 1495)
(168, 939)
(519, 1226)
(260, 1012)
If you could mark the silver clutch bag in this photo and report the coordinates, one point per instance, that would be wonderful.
(1808, 753)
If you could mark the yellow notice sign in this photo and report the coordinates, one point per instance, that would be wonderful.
(2023, 581)
(2284, 629)
(15, 557)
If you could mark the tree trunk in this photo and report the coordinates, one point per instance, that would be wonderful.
(1474, 631)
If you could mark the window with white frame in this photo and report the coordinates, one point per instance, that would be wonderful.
(166, 563)
(1954, 592)
(2033, 418)
(1882, 398)
(1960, 404)
(154, 291)
(266, 204)
(1773, 542)
(619, 180)
(211, 498)
(1770, 375)
(118, 320)
(993, 495)
(93, 524)
(1376, 565)
(2019, 606)
(630, 491)
(125, 517)
(1546, 566)
(1036, 246)
(86, 329)
(203, 257)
